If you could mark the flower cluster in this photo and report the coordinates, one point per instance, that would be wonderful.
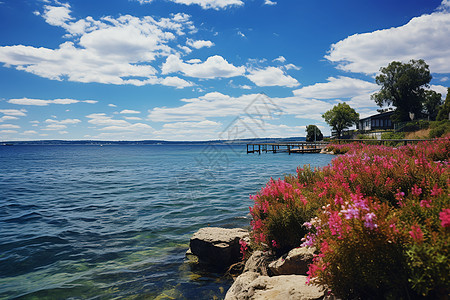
(378, 216)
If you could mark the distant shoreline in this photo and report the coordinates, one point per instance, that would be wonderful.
(151, 142)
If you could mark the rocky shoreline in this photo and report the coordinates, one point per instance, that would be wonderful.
(262, 275)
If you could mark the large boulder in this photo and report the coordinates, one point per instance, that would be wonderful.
(218, 246)
(258, 262)
(296, 262)
(281, 287)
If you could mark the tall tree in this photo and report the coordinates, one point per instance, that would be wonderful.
(313, 133)
(402, 85)
(432, 103)
(340, 117)
(444, 111)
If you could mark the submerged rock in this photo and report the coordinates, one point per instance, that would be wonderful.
(218, 246)
(296, 262)
(282, 287)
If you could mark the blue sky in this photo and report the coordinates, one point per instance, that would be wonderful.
(193, 69)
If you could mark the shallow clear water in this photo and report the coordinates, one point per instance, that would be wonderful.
(91, 222)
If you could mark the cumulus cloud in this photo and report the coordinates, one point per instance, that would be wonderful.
(108, 124)
(8, 126)
(337, 87)
(6, 118)
(205, 4)
(110, 50)
(14, 112)
(176, 82)
(40, 102)
(268, 2)
(199, 43)
(271, 76)
(55, 127)
(66, 121)
(129, 111)
(280, 59)
(424, 37)
(215, 104)
(214, 67)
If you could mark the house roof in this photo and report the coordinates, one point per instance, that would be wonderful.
(378, 116)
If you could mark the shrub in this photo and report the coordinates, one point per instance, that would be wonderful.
(379, 218)
(439, 128)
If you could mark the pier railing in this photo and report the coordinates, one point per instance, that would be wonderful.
(316, 147)
(290, 147)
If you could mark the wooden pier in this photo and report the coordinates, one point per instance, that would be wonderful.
(291, 147)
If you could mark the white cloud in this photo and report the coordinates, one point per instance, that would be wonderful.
(214, 67)
(132, 118)
(217, 105)
(29, 132)
(129, 111)
(14, 112)
(123, 129)
(8, 131)
(112, 105)
(102, 119)
(291, 67)
(280, 59)
(205, 4)
(268, 2)
(176, 82)
(5, 118)
(241, 34)
(271, 76)
(110, 50)
(439, 89)
(55, 127)
(66, 121)
(201, 124)
(40, 102)
(199, 43)
(340, 87)
(8, 126)
(425, 37)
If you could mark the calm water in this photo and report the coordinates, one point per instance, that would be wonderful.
(91, 222)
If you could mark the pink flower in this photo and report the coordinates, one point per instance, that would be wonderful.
(244, 248)
(444, 216)
(274, 244)
(416, 191)
(436, 191)
(425, 203)
(369, 221)
(416, 233)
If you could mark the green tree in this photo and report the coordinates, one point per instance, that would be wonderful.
(340, 117)
(402, 85)
(313, 133)
(444, 111)
(432, 103)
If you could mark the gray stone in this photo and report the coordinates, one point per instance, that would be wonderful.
(296, 262)
(281, 287)
(258, 262)
(240, 287)
(218, 246)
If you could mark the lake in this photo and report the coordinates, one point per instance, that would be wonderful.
(114, 221)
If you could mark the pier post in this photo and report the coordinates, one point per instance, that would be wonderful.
(289, 149)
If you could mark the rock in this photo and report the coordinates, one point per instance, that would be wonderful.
(294, 263)
(281, 287)
(258, 262)
(217, 246)
(241, 285)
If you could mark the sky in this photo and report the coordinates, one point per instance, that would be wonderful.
(203, 69)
